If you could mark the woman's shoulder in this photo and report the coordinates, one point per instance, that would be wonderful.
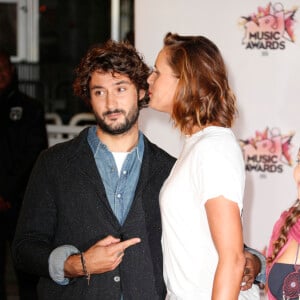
(217, 139)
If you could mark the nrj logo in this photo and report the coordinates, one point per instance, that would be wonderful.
(268, 151)
(269, 28)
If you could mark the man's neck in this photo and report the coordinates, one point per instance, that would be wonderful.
(124, 142)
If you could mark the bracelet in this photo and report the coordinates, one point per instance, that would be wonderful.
(85, 271)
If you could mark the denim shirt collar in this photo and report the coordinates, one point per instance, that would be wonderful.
(95, 143)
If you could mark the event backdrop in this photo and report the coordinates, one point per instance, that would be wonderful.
(260, 42)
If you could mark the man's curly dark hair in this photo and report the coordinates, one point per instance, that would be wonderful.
(115, 57)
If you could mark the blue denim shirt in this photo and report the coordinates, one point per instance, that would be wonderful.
(120, 191)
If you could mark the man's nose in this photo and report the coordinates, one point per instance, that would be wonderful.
(110, 100)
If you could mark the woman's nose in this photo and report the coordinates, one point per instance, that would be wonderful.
(150, 79)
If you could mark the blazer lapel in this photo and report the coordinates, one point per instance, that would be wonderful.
(88, 168)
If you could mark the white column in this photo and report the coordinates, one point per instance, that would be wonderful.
(115, 20)
(33, 30)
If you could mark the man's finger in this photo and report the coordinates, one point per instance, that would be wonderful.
(125, 244)
(245, 287)
(108, 241)
(248, 279)
(120, 253)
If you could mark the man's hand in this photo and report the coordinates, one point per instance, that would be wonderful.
(102, 257)
(251, 270)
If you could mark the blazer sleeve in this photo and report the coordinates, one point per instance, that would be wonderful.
(32, 244)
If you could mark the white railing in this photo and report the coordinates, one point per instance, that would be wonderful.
(57, 132)
(62, 133)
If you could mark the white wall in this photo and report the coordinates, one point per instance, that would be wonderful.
(266, 83)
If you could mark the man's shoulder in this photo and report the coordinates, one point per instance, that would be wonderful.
(68, 150)
(29, 101)
(30, 105)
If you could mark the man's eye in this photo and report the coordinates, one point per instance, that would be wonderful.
(99, 93)
(122, 89)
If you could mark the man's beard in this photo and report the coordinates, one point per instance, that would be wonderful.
(120, 128)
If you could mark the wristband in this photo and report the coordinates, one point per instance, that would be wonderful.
(84, 269)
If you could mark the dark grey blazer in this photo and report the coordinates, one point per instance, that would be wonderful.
(65, 203)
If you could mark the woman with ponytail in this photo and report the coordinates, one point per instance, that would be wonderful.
(283, 260)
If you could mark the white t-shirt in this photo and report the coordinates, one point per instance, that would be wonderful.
(119, 159)
(211, 164)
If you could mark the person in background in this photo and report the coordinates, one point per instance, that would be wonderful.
(95, 232)
(22, 137)
(202, 199)
(283, 256)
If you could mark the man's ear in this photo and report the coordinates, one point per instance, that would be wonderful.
(142, 94)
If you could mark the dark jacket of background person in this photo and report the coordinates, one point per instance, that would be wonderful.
(22, 137)
(76, 211)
